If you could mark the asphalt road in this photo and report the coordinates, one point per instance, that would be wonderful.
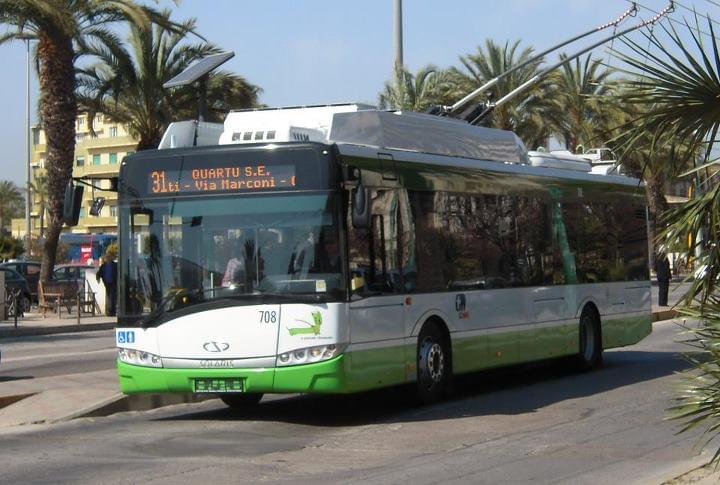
(541, 423)
(57, 355)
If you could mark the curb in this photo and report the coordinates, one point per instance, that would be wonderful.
(135, 402)
(13, 398)
(665, 315)
(72, 328)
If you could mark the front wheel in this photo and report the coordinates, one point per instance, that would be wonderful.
(241, 401)
(433, 365)
(590, 339)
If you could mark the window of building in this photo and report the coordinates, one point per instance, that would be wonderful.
(112, 131)
(80, 161)
(83, 212)
(113, 211)
(113, 158)
(96, 159)
(129, 153)
(36, 136)
(80, 137)
(81, 121)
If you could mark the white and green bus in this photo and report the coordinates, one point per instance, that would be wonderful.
(337, 249)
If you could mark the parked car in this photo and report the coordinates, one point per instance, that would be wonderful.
(73, 272)
(30, 271)
(14, 282)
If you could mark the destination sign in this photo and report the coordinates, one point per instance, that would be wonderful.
(240, 178)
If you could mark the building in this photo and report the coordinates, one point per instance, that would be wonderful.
(95, 154)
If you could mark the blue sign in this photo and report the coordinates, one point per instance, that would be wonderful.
(126, 337)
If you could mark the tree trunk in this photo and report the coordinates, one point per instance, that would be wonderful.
(657, 204)
(59, 112)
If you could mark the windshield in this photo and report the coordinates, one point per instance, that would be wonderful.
(176, 253)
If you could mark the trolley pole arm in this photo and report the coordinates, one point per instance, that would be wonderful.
(452, 109)
(491, 107)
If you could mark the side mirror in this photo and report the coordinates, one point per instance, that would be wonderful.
(360, 207)
(97, 206)
(72, 203)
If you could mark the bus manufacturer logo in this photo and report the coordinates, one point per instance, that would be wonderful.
(216, 346)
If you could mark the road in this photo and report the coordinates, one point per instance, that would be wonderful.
(57, 355)
(542, 423)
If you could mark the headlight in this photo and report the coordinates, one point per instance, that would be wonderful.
(309, 355)
(139, 357)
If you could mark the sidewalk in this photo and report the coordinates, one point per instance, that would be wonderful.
(34, 324)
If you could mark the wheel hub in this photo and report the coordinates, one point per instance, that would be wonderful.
(432, 362)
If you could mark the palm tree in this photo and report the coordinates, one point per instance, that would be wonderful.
(10, 200)
(428, 87)
(39, 188)
(585, 108)
(678, 88)
(127, 85)
(528, 117)
(64, 29)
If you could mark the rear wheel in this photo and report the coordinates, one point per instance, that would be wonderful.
(433, 364)
(241, 401)
(590, 339)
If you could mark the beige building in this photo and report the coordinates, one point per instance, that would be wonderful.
(99, 155)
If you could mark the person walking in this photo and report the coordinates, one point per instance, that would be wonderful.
(662, 270)
(108, 272)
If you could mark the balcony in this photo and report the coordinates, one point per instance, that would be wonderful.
(126, 141)
(104, 170)
(96, 222)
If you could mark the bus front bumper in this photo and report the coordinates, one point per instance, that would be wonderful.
(322, 377)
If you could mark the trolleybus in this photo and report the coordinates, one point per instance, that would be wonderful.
(337, 249)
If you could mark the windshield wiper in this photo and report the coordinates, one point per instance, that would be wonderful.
(153, 316)
(308, 296)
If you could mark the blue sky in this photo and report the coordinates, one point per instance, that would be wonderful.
(325, 51)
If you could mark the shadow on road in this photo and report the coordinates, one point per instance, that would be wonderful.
(14, 378)
(507, 391)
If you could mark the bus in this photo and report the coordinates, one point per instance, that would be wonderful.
(86, 248)
(341, 248)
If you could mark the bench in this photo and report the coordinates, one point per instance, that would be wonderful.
(53, 295)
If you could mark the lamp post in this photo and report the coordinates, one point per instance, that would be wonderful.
(28, 236)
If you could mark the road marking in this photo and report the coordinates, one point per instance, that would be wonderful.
(51, 356)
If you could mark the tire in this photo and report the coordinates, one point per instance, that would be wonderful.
(433, 365)
(590, 342)
(241, 401)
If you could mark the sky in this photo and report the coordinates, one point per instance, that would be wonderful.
(328, 51)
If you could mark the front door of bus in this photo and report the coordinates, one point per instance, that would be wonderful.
(376, 316)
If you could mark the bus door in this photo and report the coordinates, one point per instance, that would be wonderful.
(377, 306)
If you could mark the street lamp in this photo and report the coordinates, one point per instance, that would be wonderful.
(27, 38)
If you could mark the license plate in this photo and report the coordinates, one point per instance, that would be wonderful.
(213, 385)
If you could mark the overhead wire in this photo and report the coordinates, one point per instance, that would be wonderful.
(695, 12)
(713, 3)
(672, 20)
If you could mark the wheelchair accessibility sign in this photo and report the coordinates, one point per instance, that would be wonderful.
(125, 337)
